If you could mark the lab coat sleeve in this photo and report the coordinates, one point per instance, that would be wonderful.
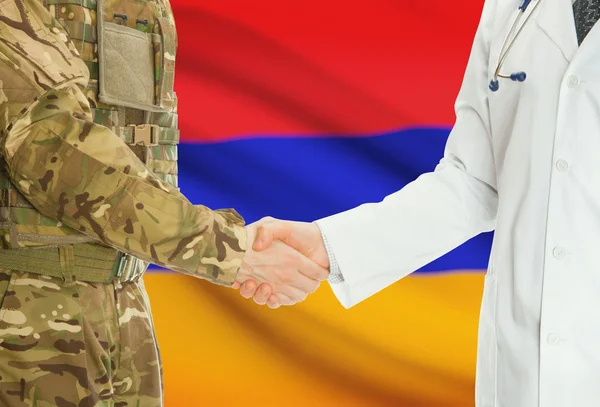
(377, 244)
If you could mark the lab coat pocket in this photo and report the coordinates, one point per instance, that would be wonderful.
(485, 386)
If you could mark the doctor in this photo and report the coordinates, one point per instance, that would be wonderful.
(523, 159)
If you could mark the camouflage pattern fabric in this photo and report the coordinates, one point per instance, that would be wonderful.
(66, 176)
(82, 345)
(78, 172)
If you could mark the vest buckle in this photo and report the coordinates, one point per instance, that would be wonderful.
(144, 134)
(126, 268)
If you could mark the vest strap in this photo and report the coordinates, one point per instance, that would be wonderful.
(80, 31)
(67, 264)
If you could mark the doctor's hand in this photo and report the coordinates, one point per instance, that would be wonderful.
(290, 276)
(303, 237)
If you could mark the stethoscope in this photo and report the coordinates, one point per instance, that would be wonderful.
(506, 46)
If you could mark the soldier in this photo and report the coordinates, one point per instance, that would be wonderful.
(89, 197)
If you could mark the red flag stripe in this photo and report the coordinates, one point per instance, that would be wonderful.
(319, 67)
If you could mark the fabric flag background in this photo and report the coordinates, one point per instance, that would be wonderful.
(298, 110)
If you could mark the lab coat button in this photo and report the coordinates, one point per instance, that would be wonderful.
(572, 81)
(553, 339)
(559, 253)
(562, 165)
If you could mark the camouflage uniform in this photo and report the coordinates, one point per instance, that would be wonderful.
(89, 197)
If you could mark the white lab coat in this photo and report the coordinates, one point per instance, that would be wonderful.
(524, 161)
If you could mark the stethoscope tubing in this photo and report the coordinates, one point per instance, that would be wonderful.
(507, 44)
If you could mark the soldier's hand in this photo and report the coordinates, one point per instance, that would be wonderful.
(287, 275)
(304, 237)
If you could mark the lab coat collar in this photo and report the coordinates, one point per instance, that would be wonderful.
(555, 18)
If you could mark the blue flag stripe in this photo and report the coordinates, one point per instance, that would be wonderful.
(309, 178)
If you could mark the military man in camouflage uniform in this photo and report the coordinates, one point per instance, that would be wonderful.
(89, 197)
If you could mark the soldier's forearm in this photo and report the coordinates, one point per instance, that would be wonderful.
(81, 174)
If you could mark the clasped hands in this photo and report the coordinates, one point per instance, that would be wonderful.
(284, 262)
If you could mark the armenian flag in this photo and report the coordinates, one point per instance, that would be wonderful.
(300, 109)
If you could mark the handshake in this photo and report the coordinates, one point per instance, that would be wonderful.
(284, 262)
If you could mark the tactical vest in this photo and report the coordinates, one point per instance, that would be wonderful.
(129, 48)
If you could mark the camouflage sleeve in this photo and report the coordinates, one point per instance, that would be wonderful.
(82, 174)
